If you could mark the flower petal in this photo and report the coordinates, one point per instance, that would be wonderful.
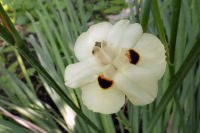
(103, 101)
(86, 41)
(82, 73)
(152, 54)
(131, 36)
(139, 84)
(125, 34)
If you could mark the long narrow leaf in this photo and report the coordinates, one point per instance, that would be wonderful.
(145, 14)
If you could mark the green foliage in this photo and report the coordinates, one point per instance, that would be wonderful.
(17, 9)
(97, 9)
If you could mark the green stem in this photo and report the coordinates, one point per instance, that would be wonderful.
(104, 121)
(23, 68)
(181, 114)
(176, 82)
(27, 54)
(175, 20)
(145, 14)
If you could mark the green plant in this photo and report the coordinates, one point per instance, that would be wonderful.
(57, 28)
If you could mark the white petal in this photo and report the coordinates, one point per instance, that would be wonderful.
(132, 35)
(125, 34)
(81, 73)
(99, 32)
(115, 35)
(85, 42)
(139, 84)
(152, 54)
(103, 101)
(82, 47)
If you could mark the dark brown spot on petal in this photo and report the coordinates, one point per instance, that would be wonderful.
(104, 83)
(133, 56)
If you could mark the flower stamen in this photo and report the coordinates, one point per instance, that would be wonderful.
(100, 52)
(98, 44)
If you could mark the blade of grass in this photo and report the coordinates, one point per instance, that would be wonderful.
(180, 42)
(10, 127)
(145, 14)
(6, 35)
(63, 33)
(166, 17)
(82, 15)
(108, 128)
(24, 71)
(176, 4)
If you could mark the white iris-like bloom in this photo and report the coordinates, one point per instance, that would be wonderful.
(116, 61)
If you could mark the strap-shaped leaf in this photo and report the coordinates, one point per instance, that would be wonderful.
(174, 28)
(6, 35)
(145, 14)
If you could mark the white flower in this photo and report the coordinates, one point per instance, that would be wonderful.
(116, 60)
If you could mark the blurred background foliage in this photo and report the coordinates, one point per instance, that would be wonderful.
(17, 8)
(50, 28)
(95, 9)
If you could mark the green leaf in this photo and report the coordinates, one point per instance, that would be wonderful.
(174, 28)
(145, 14)
(6, 35)
(9, 127)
